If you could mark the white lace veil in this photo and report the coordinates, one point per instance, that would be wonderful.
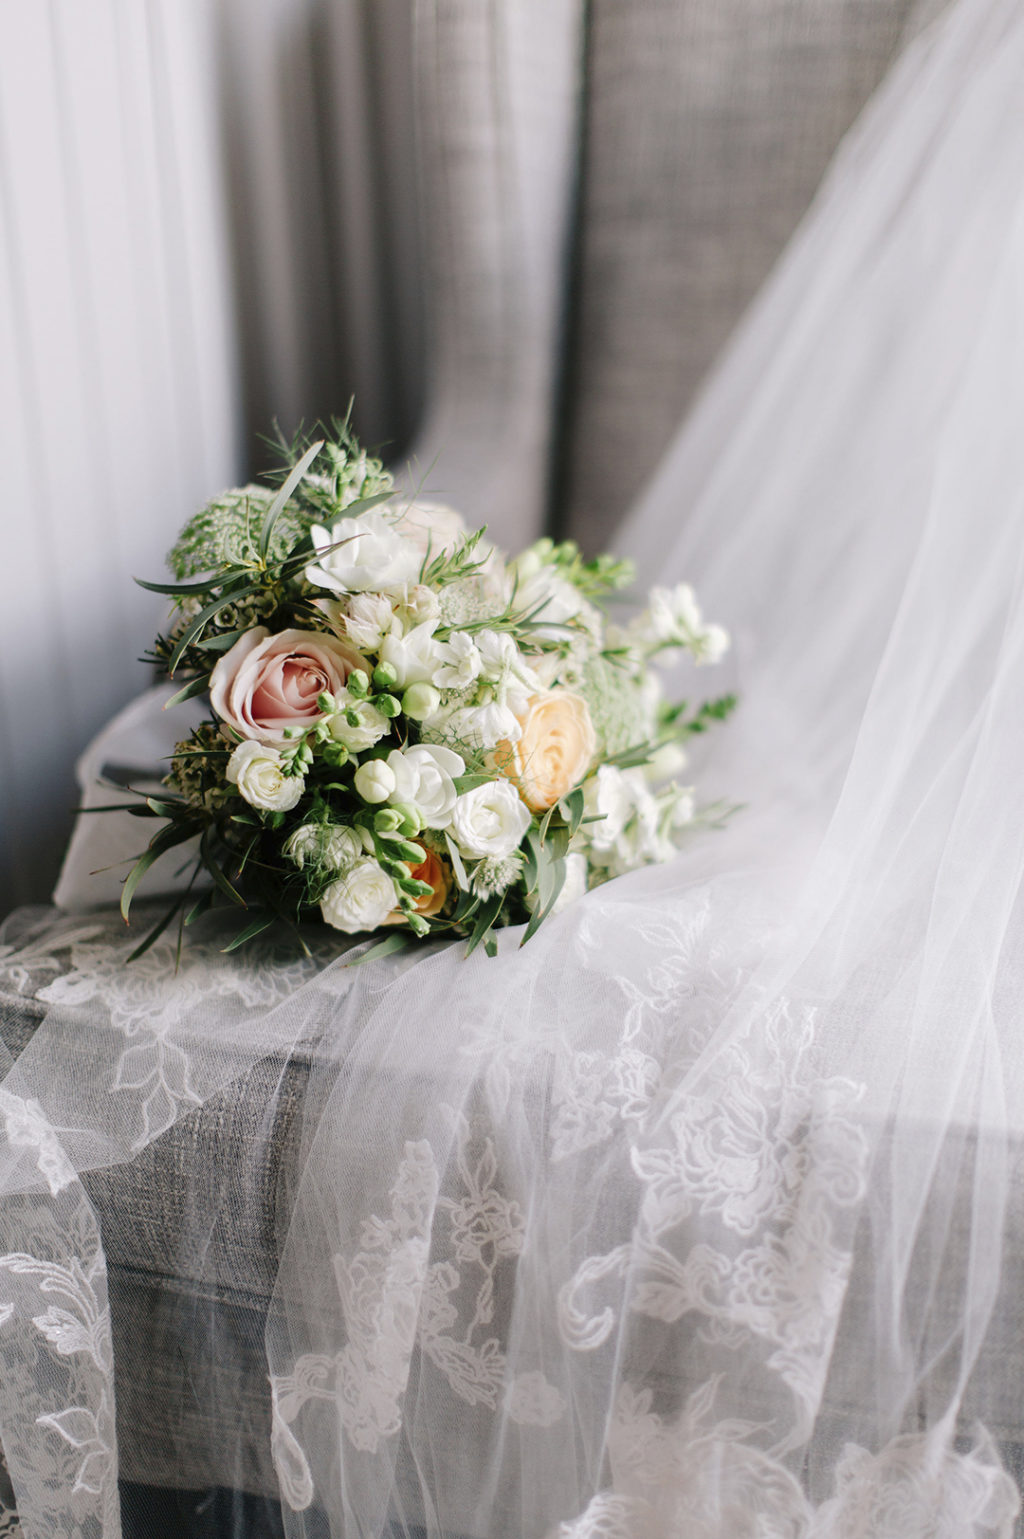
(702, 1217)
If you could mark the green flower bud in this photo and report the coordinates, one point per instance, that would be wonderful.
(411, 817)
(326, 702)
(411, 852)
(418, 925)
(387, 705)
(415, 888)
(396, 868)
(387, 821)
(358, 684)
(384, 676)
(420, 701)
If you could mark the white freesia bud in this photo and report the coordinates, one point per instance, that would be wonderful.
(458, 662)
(369, 619)
(361, 900)
(374, 780)
(368, 555)
(667, 761)
(370, 726)
(424, 776)
(414, 656)
(421, 701)
(255, 768)
(489, 822)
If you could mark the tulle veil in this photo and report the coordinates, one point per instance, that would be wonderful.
(702, 1215)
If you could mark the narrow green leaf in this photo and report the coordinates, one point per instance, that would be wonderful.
(257, 927)
(277, 507)
(194, 687)
(187, 589)
(554, 883)
(200, 907)
(571, 808)
(160, 843)
(384, 948)
(456, 860)
(485, 921)
(215, 870)
(470, 782)
(222, 643)
(202, 619)
(155, 933)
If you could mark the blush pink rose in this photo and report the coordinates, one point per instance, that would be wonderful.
(268, 682)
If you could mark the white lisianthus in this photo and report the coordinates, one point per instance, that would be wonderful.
(424, 776)
(483, 726)
(458, 662)
(370, 555)
(369, 618)
(360, 900)
(414, 656)
(370, 726)
(374, 781)
(489, 822)
(255, 768)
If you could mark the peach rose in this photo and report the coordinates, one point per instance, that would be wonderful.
(434, 871)
(268, 682)
(555, 751)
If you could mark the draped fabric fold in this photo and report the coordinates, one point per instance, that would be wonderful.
(703, 1214)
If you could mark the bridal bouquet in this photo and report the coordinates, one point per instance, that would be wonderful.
(407, 728)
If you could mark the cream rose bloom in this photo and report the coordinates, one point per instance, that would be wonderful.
(554, 751)
(489, 822)
(361, 900)
(267, 682)
(255, 769)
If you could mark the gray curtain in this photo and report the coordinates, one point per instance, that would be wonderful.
(516, 231)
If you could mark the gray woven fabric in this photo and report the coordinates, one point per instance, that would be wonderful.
(710, 125)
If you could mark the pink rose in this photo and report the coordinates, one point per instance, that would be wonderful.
(268, 682)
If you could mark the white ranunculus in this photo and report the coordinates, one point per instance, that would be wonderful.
(374, 781)
(489, 822)
(424, 776)
(414, 657)
(370, 555)
(370, 725)
(360, 900)
(483, 726)
(369, 619)
(255, 768)
(458, 662)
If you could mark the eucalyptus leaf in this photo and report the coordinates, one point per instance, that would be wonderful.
(277, 507)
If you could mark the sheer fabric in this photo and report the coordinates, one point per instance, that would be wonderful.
(703, 1215)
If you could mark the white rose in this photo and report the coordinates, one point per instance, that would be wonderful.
(374, 781)
(255, 768)
(414, 657)
(483, 726)
(370, 725)
(361, 900)
(373, 556)
(369, 619)
(424, 776)
(490, 821)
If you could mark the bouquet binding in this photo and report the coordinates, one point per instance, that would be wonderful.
(408, 731)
